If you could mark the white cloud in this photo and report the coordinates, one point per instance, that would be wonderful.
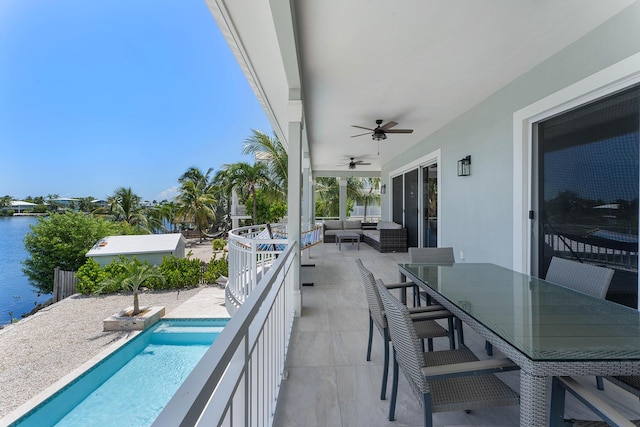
(168, 194)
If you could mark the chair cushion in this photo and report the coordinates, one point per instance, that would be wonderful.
(353, 224)
(333, 224)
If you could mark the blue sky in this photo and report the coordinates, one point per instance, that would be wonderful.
(99, 94)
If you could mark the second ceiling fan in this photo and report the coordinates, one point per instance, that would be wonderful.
(380, 131)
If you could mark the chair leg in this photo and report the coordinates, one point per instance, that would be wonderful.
(430, 344)
(488, 347)
(416, 297)
(460, 333)
(452, 338)
(385, 372)
(394, 389)
(370, 338)
(599, 383)
(426, 410)
(556, 418)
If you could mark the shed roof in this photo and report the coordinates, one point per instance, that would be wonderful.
(143, 244)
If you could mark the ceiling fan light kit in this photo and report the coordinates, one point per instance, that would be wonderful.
(378, 136)
(381, 131)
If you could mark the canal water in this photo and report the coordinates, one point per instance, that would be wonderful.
(17, 295)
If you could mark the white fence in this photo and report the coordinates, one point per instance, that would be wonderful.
(238, 380)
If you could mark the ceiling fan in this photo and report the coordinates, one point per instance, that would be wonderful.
(353, 163)
(381, 131)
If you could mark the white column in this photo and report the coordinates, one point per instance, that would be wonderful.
(306, 196)
(343, 198)
(294, 195)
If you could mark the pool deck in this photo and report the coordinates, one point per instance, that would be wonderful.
(207, 303)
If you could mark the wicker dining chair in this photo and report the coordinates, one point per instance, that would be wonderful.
(610, 417)
(443, 256)
(426, 326)
(443, 381)
(586, 278)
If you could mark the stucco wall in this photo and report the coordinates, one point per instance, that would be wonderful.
(477, 211)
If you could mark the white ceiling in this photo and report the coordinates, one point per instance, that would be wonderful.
(420, 63)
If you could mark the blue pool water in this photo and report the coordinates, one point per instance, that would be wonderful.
(131, 386)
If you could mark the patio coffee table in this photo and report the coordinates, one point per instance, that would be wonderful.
(347, 236)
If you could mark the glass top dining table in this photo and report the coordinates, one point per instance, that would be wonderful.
(545, 328)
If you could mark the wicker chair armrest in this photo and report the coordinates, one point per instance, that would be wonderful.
(430, 315)
(479, 367)
(589, 399)
(427, 308)
(399, 285)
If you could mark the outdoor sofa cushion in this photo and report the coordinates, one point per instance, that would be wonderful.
(354, 224)
(333, 224)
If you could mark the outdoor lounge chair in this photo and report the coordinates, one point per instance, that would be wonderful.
(443, 381)
(426, 326)
(611, 417)
(586, 278)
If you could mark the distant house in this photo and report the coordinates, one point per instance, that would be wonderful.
(149, 247)
(66, 203)
(20, 205)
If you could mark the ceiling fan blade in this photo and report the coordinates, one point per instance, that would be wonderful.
(399, 131)
(363, 163)
(361, 134)
(388, 125)
(361, 127)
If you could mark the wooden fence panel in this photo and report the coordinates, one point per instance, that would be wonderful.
(64, 284)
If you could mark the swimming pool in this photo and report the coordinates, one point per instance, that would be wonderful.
(131, 386)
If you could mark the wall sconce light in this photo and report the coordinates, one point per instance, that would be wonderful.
(383, 188)
(464, 166)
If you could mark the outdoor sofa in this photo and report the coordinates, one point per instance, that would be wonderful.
(385, 236)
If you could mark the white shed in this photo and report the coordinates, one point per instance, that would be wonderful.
(149, 247)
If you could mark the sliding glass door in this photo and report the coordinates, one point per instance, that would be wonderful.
(587, 188)
(415, 205)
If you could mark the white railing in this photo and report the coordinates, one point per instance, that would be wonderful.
(251, 253)
(238, 379)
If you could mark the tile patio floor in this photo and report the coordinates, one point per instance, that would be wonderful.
(331, 384)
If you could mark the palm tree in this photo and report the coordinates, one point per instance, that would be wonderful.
(169, 214)
(328, 194)
(125, 206)
(196, 200)
(272, 152)
(368, 194)
(247, 178)
(136, 274)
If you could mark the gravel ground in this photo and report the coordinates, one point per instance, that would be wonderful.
(39, 350)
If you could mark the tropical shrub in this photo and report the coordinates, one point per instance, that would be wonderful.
(215, 269)
(89, 276)
(218, 244)
(180, 272)
(61, 240)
